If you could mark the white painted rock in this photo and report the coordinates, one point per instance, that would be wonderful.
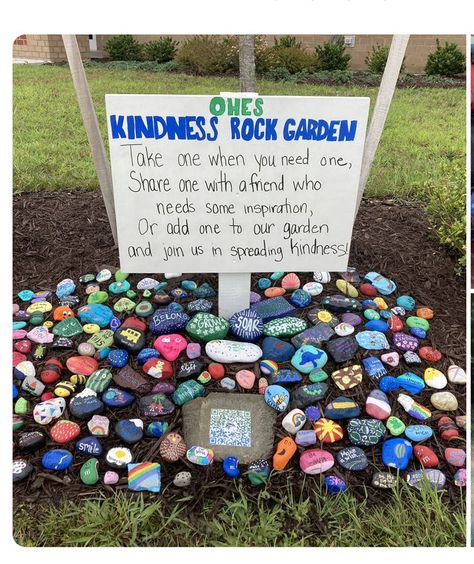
(49, 410)
(456, 375)
(232, 351)
(294, 421)
(169, 275)
(26, 368)
(344, 329)
(434, 378)
(313, 288)
(445, 401)
(182, 479)
(147, 284)
(322, 277)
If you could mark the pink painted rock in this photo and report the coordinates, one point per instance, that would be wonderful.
(23, 346)
(18, 357)
(391, 359)
(245, 379)
(193, 350)
(85, 365)
(111, 477)
(170, 346)
(64, 431)
(40, 335)
(290, 282)
(316, 461)
(16, 308)
(455, 456)
(19, 334)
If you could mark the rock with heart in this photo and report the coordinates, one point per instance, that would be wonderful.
(33, 386)
(170, 346)
(397, 453)
(316, 461)
(247, 325)
(347, 378)
(352, 458)
(342, 408)
(365, 432)
(156, 405)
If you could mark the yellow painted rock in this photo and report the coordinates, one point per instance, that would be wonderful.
(39, 307)
(347, 288)
(434, 378)
(90, 328)
(48, 324)
(64, 389)
(381, 303)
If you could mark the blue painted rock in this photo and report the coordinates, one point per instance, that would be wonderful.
(307, 358)
(232, 351)
(411, 358)
(56, 459)
(228, 384)
(334, 484)
(205, 290)
(306, 437)
(411, 382)
(277, 397)
(118, 358)
(312, 413)
(342, 408)
(95, 313)
(418, 433)
(418, 333)
(342, 349)
(114, 397)
(277, 350)
(129, 430)
(156, 405)
(21, 469)
(147, 284)
(435, 478)
(377, 405)
(372, 340)
(383, 285)
(174, 307)
(230, 465)
(258, 472)
(188, 391)
(315, 336)
(90, 446)
(300, 298)
(405, 342)
(352, 458)
(85, 404)
(397, 453)
(365, 432)
(285, 376)
(165, 321)
(199, 305)
(157, 428)
(306, 395)
(65, 288)
(274, 308)
(370, 313)
(339, 303)
(200, 456)
(389, 384)
(377, 325)
(406, 302)
(246, 325)
(373, 367)
(313, 288)
(119, 287)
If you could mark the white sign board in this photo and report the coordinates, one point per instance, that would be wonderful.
(235, 184)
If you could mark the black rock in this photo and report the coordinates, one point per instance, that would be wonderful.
(40, 352)
(319, 315)
(314, 335)
(62, 343)
(339, 303)
(31, 441)
(306, 395)
(84, 407)
(190, 369)
(352, 458)
(21, 469)
(131, 380)
(156, 405)
(131, 339)
(342, 349)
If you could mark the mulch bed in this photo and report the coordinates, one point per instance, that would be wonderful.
(66, 234)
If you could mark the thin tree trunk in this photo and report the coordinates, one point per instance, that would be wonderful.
(247, 63)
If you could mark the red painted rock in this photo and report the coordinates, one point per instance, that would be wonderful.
(85, 365)
(172, 447)
(455, 456)
(426, 456)
(64, 431)
(216, 370)
(18, 357)
(367, 290)
(447, 428)
(23, 346)
(47, 396)
(316, 461)
(133, 323)
(170, 346)
(51, 371)
(158, 368)
(429, 354)
(245, 379)
(395, 324)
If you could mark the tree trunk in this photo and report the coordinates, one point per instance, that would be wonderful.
(247, 63)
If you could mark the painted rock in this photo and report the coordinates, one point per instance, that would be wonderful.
(372, 340)
(294, 421)
(352, 458)
(277, 397)
(413, 408)
(313, 288)
(405, 342)
(290, 281)
(300, 298)
(322, 277)
(156, 429)
(200, 305)
(411, 358)
(273, 308)
(233, 351)
(430, 354)
(40, 335)
(188, 391)
(85, 404)
(95, 313)
(99, 425)
(189, 369)
(131, 339)
(24, 369)
(129, 430)
(306, 437)
(455, 456)
(315, 335)
(118, 457)
(395, 426)
(384, 480)
(89, 472)
(99, 380)
(158, 368)
(397, 453)
(207, 327)
(131, 380)
(306, 395)
(418, 433)
(285, 376)
(377, 405)
(144, 476)
(338, 303)
(334, 484)
(230, 465)
(21, 469)
(365, 432)
(347, 378)
(377, 325)
(343, 329)
(31, 441)
(85, 365)
(170, 346)
(114, 397)
(47, 411)
(435, 478)
(316, 461)
(182, 479)
(460, 478)
(435, 378)
(56, 459)
(318, 375)
(41, 306)
(426, 456)
(383, 285)
(319, 315)
(456, 375)
(307, 358)
(373, 367)
(342, 408)
(64, 431)
(68, 328)
(342, 349)
(445, 401)
(285, 450)
(156, 405)
(89, 445)
(200, 456)
(284, 327)
(216, 370)
(411, 383)
(328, 431)
(246, 325)
(228, 383)
(447, 428)
(245, 379)
(369, 313)
(146, 354)
(258, 472)
(33, 386)
(172, 447)
(406, 302)
(347, 288)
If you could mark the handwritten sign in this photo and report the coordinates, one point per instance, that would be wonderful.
(235, 184)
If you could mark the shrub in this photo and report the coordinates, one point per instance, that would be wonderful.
(205, 54)
(124, 48)
(446, 61)
(332, 56)
(161, 51)
(377, 60)
(287, 41)
(293, 59)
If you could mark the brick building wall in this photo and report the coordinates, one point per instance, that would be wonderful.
(46, 47)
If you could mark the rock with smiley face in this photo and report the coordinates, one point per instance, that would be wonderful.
(170, 346)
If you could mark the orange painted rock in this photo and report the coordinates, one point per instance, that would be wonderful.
(51, 371)
(426, 456)
(290, 281)
(64, 431)
(285, 450)
(425, 313)
(62, 312)
(430, 354)
(245, 379)
(82, 365)
(274, 291)
(328, 431)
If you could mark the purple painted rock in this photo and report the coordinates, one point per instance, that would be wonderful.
(405, 342)
(316, 461)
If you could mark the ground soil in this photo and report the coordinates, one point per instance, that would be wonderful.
(66, 234)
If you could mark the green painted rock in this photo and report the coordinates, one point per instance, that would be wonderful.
(69, 327)
(99, 380)
(131, 294)
(395, 425)
(121, 276)
(284, 327)
(207, 327)
(147, 294)
(418, 322)
(21, 406)
(188, 391)
(101, 339)
(89, 474)
(36, 318)
(317, 375)
(144, 309)
(119, 287)
(124, 304)
(99, 297)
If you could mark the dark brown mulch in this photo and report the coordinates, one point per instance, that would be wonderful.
(66, 234)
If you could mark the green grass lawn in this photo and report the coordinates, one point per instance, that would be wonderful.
(421, 155)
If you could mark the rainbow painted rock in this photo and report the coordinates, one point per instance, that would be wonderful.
(413, 408)
(294, 421)
(316, 461)
(144, 476)
(200, 456)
